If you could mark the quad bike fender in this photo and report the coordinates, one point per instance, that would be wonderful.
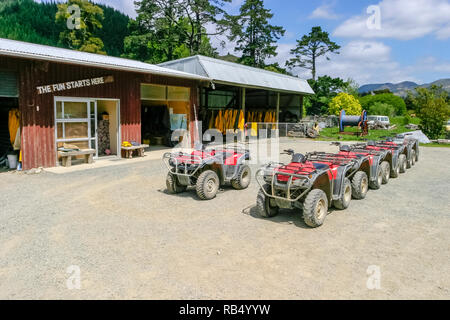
(324, 183)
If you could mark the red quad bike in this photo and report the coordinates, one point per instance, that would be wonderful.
(312, 183)
(396, 157)
(379, 161)
(207, 170)
(412, 147)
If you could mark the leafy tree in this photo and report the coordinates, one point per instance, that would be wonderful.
(325, 89)
(82, 38)
(164, 29)
(382, 109)
(114, 31)
(255, 36)
(347, 102)
(387, 98)
(312, 46)
(433, 110)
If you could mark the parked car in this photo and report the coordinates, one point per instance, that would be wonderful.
(382, 119)
(447, 127)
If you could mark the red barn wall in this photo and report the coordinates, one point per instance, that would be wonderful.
(37, 110)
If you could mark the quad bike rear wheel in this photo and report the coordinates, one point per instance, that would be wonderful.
(346, 196)
(417, 155)
(402, 163)
(360, 185)
(386, 167)
(207, 185)
(396, 172)
(265, 209)
(173, 186)
(413, 157)
(243, 179)
(315, 208)
(376, 184)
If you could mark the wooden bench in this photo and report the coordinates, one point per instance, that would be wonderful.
(67, 156)
(127, 152)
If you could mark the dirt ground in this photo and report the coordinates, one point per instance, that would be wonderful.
(132, 240)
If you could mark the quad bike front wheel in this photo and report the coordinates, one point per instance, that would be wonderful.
(315, 208)
(376, 184)
(402, 163)
(173, 186)
(265, 209)
(360, 185)
(243, 178)
(346, 196)
(207, 185)
(386, 167)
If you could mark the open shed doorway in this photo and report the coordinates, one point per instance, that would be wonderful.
(108, 143)
(8, 106)
(164, 110)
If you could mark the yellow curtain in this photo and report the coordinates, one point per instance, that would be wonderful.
(13, 123)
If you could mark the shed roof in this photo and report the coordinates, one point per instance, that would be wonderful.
(36, 51)
(225, 72)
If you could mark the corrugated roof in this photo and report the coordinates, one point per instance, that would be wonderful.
(221, 71)
(36, 51)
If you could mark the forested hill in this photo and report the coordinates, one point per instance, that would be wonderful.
(29, 21)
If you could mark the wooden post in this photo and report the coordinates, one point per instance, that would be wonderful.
(243, 101)
(278, 107)
(301, 107)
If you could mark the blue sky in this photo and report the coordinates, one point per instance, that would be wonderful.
(411, 43)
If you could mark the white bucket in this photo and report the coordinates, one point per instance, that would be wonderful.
(12, 159)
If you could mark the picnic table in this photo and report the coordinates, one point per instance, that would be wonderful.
(67, 156)
(127, 152)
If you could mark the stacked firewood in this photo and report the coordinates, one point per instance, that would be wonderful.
(104, 142)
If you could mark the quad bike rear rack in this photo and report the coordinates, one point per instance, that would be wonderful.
(273, 166)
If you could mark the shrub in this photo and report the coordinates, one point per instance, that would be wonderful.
(433, 110)
(388, 98)
(382, 109)
(344, 101)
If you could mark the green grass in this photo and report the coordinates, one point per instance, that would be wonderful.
(435, 145)
(331, 134)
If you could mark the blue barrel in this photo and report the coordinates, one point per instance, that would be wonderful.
(351, 121)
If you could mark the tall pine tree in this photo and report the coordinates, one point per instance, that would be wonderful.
(256, 38)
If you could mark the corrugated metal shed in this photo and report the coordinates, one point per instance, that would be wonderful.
(225, 72)
(34, 51)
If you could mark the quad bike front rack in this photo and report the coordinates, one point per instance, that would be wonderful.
(188, 161)
(273, 166)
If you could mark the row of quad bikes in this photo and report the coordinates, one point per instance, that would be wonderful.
(313, 182)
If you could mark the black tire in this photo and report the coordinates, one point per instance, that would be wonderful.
(417, 155)
(173, 186)
(396, 172)
(315, 208)
(346, 196)
(413, 157)
(207, 185)
(244, 177)
(402, 163)
(386, 167)
(376, 184)
(360, 185)
(263, 206)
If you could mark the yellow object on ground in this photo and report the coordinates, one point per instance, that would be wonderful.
(13, 124)
(126, 144)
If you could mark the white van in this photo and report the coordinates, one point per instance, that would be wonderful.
(383, 119)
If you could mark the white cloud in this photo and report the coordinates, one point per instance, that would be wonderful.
(324, 11)
(402, 19)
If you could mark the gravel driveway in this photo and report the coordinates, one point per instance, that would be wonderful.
(130, 239)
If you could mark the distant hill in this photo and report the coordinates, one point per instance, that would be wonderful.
(401, 88)
(230, 58)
